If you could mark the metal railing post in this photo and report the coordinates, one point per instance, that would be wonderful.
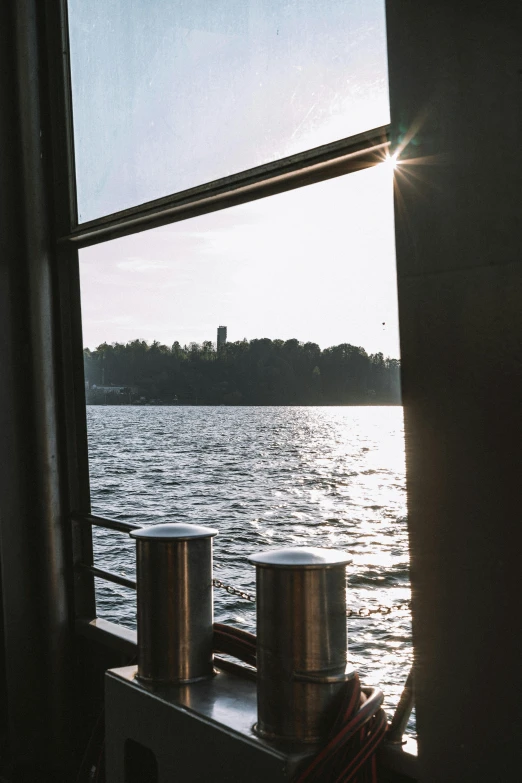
(301, 642)
(174, 597)
(401, 716)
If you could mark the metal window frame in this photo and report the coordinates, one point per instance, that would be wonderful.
(46, 476)
(315, 165)
(312, 166)
(349, 155)
(68, 295)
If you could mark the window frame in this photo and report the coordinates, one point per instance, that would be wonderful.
(335, 159)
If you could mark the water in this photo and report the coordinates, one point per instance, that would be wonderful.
(265, 477)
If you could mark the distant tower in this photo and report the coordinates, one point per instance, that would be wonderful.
(221, 336)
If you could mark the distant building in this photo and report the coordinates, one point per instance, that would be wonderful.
(221, 336)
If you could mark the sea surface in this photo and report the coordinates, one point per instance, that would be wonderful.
(265, 477)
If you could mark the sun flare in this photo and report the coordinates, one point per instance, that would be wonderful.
(391, 161)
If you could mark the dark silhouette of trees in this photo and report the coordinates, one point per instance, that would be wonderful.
(255, 372)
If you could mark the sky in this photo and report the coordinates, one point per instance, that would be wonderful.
(168, 95)
(315, 263)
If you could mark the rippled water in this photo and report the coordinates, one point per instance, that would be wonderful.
(265, 477)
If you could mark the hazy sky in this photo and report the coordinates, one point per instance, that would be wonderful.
(169, 95)
(315, 263)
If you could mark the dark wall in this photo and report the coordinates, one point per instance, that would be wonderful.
(456, 92)
(34, 538)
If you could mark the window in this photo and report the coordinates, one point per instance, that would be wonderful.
(184, 122)
(168, 96)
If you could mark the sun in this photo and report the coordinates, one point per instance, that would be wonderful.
(391, 161)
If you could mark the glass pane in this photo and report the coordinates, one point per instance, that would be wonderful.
(168, 95)
(290, 433)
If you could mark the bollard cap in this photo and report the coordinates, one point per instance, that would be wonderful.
(300, 557)
(173, 531)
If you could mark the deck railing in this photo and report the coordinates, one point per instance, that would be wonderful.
(107, 524)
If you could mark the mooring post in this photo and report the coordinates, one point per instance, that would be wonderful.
(175, 610)
(301, 642)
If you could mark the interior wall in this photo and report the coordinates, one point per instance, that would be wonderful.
(456, 93)
(36, 563)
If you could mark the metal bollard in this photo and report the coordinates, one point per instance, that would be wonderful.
(301, 642)
(175, 611)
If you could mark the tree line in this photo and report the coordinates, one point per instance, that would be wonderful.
(247, 372)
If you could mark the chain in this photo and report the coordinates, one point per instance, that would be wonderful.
(363, 612)
(367, 611)
(234, 590)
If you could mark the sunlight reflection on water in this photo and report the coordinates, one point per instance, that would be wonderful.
(265, 477)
